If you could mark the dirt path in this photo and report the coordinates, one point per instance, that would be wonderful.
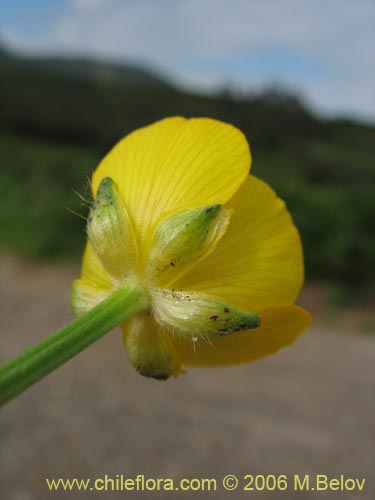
(308, 410)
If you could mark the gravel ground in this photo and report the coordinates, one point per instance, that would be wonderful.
(308, 410)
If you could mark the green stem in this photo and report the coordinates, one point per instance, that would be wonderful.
(36, 362)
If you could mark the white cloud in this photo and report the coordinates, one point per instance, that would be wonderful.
(91, 4)
(215, 41)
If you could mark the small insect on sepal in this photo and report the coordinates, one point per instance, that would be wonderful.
(110, 231)
(198, 317)
(185, 237)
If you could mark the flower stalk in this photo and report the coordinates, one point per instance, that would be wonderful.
(41, 359)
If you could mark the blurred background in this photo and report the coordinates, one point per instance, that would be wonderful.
(298, 79)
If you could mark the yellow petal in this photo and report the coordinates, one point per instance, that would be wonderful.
(174, 164)
(280, 327)
(93, 272)
(150, 350)
(93, 286)
(258, 262)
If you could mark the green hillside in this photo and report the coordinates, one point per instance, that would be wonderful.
(56, 123)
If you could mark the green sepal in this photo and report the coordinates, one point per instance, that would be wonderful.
(110, 232)
(150, 352)
(198, 317)
(184, 238)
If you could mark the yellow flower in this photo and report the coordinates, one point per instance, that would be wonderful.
(216, 250)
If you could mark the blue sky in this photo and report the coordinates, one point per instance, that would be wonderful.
(322, 49)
